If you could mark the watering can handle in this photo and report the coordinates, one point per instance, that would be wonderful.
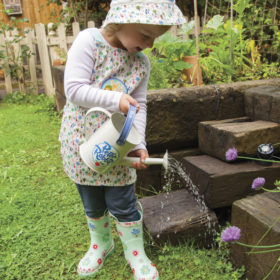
(127, 125)
(96, 109)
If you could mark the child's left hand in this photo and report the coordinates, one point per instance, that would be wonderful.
(142, 154)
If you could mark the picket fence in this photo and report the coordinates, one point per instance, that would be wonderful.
(48, 44)
(45, 44)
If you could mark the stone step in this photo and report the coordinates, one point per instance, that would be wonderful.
(254, 215)
(177, 216)
(263, 103)
(216, 137)
(222, 183)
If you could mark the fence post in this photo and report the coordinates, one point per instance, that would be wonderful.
(44, 58)
(76, 29)
(30, 38)
(62, 36)
(8, 79)
(18, 58)
(91, 24)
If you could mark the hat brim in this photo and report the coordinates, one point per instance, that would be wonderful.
(150, 13)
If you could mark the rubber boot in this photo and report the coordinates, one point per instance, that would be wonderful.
(131, 235)
(101, 245)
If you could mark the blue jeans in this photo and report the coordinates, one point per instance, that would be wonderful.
(120, 201)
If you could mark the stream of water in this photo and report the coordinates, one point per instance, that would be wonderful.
(177, 176)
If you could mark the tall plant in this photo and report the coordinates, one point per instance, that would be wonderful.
(82, 11)
(220, 38)
(166, 58)
(11, 59)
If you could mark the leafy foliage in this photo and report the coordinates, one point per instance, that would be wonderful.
(11, 60)
(254, 40)
(246, 61)
(81, 11)
(166, 59)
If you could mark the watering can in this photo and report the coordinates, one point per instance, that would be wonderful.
(110, 143)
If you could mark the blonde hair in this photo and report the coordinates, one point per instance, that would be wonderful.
(112, 27)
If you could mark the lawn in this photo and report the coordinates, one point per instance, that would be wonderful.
(43, 230)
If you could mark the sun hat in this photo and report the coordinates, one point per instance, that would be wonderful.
(157, 12)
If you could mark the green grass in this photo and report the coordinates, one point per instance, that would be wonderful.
(43, 231)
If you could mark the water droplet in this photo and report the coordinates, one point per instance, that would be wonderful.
(177, 176)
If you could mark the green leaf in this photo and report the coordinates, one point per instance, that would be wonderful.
(277, 183)
(215, 22)
(241, 5)
(187, 27)
(168, 38)
(180, 65)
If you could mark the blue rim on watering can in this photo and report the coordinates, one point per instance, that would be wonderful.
(127, 125)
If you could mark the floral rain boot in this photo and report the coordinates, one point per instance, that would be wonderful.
(131, 235)
(101, 246)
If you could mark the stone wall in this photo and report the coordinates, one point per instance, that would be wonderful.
(174, 114)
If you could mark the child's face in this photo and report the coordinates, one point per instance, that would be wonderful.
(137, 37)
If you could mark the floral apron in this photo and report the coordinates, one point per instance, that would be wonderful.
(115, 70)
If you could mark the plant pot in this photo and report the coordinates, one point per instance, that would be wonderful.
(2, 74)
(194, 74)
(58, 62)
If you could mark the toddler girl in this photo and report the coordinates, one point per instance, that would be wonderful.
(105, 68)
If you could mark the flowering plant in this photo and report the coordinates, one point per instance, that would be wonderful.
(233, 233)
(232, 154)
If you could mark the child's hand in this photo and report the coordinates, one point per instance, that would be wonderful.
(125, 101)
(142, 154)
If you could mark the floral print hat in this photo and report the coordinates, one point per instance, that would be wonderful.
(157, 12)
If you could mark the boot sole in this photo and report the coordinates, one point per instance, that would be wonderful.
(111, 249)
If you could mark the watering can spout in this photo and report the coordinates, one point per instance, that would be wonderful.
(149, 161)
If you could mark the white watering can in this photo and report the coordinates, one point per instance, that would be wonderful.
(110, 143)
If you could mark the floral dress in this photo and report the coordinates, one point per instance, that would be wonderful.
(114, 69)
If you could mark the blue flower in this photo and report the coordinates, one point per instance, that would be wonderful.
(135, 231)
(92, 226)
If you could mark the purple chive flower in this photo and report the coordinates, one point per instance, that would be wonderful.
(230, 234)
(258, 183)
(231, 154)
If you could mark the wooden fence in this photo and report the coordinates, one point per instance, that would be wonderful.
(46, 46)
(36, 11)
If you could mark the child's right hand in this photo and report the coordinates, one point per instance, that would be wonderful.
(125, 101)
